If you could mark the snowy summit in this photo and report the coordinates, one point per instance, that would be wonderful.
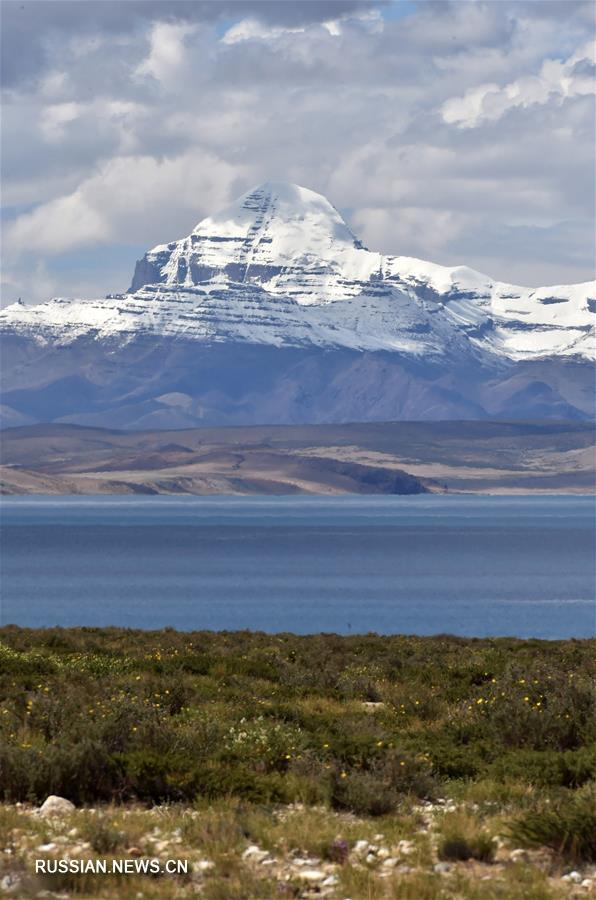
(273, 267)
(280, 270)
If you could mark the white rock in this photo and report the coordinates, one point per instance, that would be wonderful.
(161, 846)
(406, 847)
(442, 868)
(361, 847)
(330, 881)
(390, 862)
(255, 854)
(575, 877)
(10, 884)
(518, 855)
(204, 865)
(312, 875)
(46, 848)
(56, 806)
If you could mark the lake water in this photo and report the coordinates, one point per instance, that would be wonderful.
(465, 565)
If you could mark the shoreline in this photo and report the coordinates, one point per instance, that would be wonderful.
(177, 494)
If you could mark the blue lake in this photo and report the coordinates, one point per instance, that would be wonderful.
(522, 566)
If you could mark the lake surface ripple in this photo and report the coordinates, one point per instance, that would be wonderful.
(474, 566)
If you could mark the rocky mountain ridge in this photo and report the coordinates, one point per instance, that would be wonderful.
(281, 267)
(279, 280)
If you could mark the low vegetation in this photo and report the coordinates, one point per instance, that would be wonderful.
(568, 827)
(467, 749)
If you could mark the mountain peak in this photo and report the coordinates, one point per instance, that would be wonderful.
(280, 236)
(275, 203)
(285, 192)
(211, 316)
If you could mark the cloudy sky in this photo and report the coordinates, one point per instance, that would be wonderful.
(460, 132)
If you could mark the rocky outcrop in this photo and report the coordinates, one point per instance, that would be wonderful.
(56, 806)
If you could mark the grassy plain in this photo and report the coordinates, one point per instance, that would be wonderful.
(283, 765)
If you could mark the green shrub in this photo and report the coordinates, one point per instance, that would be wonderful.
(111, 714)
(360, 681)
(568, 828)
(377, 790)
(458, 847)
(82, 772)
(548, 768)
(452, 760)
(362, 793)
(241, 782)
(33, 663)
(406, 773)
(462, 838)
(102, 835)
(537, 707)
(148, 775)
(267, 744)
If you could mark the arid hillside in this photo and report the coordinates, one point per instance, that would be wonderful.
(386, 458)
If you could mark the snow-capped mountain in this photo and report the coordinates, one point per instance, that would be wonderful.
(279, 269)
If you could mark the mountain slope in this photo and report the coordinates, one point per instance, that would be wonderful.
(272, 310)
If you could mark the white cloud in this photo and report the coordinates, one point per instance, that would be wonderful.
(409, 231)
(168, 50)
(129, 196)
(252, 29)
(34, 285)
(55, 117)
(61, 224)
(133, 140)
(333, 26)
(556, 81)
(53, 84)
